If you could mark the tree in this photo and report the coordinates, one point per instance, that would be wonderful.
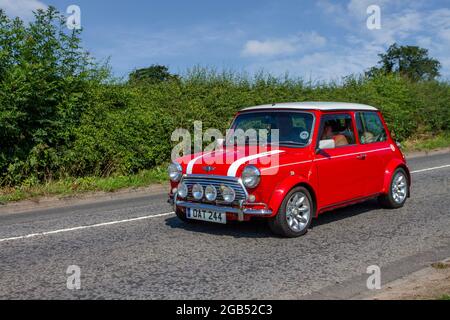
(409, 61)
(153, 74)
(45, 81)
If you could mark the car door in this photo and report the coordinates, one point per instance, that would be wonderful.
(340, 168)
(375, 146)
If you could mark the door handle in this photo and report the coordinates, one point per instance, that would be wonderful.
(361, 156)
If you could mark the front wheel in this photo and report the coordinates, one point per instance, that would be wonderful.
(295, 214)
(398, 190)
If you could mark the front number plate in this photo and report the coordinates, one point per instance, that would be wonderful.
(207, 215)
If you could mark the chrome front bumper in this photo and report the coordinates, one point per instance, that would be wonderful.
(239, 211)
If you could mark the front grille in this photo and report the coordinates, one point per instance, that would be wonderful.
(216, 181)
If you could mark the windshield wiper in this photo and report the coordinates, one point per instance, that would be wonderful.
(237, 142)
(292, 142)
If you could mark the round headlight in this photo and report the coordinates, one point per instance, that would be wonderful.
(210, 193)
(175, 171)
(228, 194)
(197, 191)
(182, 190)
(251, 176)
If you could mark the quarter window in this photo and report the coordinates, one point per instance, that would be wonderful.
(370, 128)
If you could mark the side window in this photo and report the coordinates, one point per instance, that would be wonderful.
(370, 128)
(339, 128)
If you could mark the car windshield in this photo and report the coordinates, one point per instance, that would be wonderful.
(288, 128)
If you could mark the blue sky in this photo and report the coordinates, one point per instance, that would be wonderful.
(318, 40)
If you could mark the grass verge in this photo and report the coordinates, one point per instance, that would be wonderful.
(427, 143)
(72, 186)
(441, 265)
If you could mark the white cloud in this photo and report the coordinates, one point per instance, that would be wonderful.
(402, 21)
(21, 8)
(331, 64)
(268, 48)
(329, 7)
(445, 35)
(357, 48)
(312, 39)
(429, 29)
(439, 21)
(285, 46)
(397, 27)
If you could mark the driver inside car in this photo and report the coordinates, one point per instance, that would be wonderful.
(339, 139)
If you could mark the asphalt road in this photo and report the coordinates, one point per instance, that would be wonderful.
(135, 248)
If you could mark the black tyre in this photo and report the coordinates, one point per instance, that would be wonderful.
(398, 191)
(295, 214)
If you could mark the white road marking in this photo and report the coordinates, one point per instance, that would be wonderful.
(430, 169)
(40, 234)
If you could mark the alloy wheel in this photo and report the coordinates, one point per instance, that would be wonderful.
(298, 211)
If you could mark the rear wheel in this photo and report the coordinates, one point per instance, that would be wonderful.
(295, 214)
(398, 190)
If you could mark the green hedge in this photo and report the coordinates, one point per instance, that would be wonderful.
(125, 128)
(129, 127)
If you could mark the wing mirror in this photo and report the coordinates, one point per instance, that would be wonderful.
(327, 144)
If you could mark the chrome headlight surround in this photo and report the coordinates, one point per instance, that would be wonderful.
(175, 172)
(182, 190)
(251, 176)
(210, 193)
(197, 191)
(228, 193)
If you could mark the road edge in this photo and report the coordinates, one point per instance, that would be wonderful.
(355, 288)
(420, 154)
(52, 202)
(429, 283)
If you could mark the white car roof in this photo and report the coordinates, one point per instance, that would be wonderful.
(325, 106)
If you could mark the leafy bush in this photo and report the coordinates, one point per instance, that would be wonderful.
(45, 80)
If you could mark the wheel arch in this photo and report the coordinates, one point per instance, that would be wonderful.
(312, 192)
(391, 168)
(408, 173)
(285, 187)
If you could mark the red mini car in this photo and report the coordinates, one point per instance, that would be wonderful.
(303, 159)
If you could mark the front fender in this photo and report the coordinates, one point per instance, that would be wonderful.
(391, 167)
(283, 188)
